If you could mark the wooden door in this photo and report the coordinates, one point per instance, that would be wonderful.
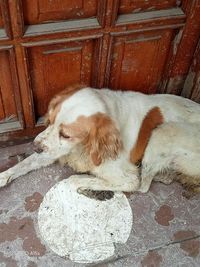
(139, 45)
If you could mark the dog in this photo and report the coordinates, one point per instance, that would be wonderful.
(170, 152)
(96, 130)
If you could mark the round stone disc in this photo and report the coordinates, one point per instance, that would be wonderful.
(80, 228)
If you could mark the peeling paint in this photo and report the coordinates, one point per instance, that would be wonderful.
(177, 40)
(189, 83)
(175, 84)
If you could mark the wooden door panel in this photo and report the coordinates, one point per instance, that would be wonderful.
(5, 29)
(191, 87)
(40, 11)
(141, 45)
(8, 110)
(7, 95)
(132, 6)
(138, 61)
(1, 19)
(52, 67)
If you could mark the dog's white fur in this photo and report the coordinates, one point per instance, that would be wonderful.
(126, 110)
(174, 148)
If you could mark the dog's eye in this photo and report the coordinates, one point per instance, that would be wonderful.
(64, 135)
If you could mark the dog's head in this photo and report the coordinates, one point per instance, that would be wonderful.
(77, 116)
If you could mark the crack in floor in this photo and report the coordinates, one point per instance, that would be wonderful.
(156, 248)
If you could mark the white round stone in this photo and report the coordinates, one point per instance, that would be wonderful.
(80, 228)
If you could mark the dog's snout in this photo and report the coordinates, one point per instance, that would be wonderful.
(37, 147)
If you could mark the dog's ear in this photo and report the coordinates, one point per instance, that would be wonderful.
(103, 140)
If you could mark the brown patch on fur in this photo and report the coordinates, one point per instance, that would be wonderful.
(78, 129)
(98, 135)
(152, 119)
(55, 103)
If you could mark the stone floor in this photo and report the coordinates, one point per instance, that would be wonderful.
(166, 225)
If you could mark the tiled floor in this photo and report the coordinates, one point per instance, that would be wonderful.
(166, 225)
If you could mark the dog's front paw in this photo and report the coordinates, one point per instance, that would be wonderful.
(143, 189)
(4, 179)
(94, 194)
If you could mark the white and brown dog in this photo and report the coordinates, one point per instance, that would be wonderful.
(106, 132)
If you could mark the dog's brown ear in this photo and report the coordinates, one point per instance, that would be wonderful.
(103, 140)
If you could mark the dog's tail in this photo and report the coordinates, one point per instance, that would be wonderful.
(152, 119)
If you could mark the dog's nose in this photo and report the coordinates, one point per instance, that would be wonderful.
(37, 147)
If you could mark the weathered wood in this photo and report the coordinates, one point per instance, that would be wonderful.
(40, 11)
(130, 69)
(51, 28)
(185, 49)
(151, 15)
(146, 46)
(1, 18)
(5, 19)
(191, 87)
(51, 67)
(10, 103)
(128, 6)
(25, 86)
(16, 18)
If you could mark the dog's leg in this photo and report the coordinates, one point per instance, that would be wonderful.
(146, 178)
(114, 175)
(161, 174)
(33, 162)
(99, 184)
(145, 184)
(165, 176)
